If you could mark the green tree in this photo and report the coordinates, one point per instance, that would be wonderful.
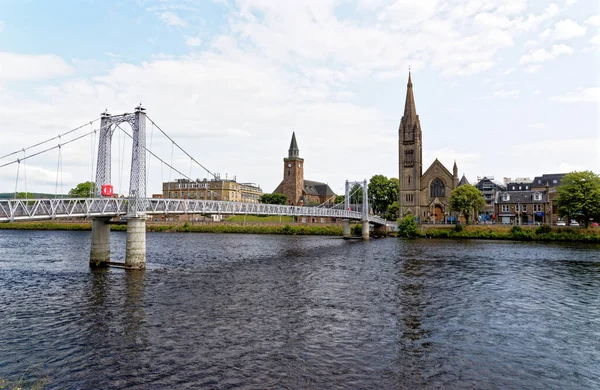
(579, 194)
(339, 199)
(356, 194)
(407, 227)
(379, 193)
(83, 190)
(393, 211)
(274, 198)
(24, 195)
(466, 200)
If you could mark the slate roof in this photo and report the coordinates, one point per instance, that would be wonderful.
(541, 181)
(463, 180)
(317, 188)
(521, 197)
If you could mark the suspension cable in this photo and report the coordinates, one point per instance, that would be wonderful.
(17, 181)
(48, 140)
(57, 170)
(180, 148)
(25, 175)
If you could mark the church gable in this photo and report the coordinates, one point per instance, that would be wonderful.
(437, 170)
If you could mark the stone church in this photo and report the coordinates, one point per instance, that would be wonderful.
(301, 192)
(425, 195)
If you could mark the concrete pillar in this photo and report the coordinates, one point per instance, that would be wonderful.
(365, 230)
(346, 228)
(100, 247)
(135, 254)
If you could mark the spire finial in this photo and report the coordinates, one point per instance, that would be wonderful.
(293, 151)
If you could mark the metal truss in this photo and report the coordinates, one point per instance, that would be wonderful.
(40, 209)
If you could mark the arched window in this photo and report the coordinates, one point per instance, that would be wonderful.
(437, 188)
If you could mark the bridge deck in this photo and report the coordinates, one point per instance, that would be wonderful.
(42, 209)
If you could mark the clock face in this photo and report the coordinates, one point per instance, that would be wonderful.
(289, 165)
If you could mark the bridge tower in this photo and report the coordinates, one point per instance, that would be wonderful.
(364, 211)
(135, 257)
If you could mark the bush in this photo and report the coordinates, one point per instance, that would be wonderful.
(544, 229)
(516, 229)
(356, 230)
(458, 227)
(407, 227)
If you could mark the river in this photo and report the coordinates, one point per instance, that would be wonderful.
(285, 312)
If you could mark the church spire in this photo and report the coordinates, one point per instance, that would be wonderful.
(410, 111)
(293, 151)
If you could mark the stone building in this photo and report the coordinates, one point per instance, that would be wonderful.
(522, 207)
(425, 195)
(298, 190)
(549, 183)
(215, 189)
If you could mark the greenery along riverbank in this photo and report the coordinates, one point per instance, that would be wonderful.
(499, 232)
(321, 230)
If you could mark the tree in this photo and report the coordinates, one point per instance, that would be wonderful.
(579, 194)
(379, 193)
(407, 227)
(339, 199)
(356, 194)
(466, 200)
(83, 190)
(274, 198)
(393, 211)
(24, 195)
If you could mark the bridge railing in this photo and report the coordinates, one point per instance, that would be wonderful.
(38, 209)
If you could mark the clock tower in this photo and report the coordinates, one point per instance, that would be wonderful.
(293, 174)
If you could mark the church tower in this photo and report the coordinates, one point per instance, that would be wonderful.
(410, 156)
(293, 174)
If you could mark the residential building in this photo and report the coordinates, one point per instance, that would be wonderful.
(298, 190)
(215, 189)
(549, 183)
(522, 207)
(488, 188)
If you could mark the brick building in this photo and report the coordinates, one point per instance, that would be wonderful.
(297, 190)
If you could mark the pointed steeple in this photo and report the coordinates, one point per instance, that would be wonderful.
(455, 169)
(293, 151)
(410, 111)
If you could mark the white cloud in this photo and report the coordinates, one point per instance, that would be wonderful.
(14, 66)
(507, 93)
(172, 20)
(533, 68)
(193, 41)
(509, 71)
(585, 95)
(538, 125)
(543, 55)
(537, 92)
(568, 29)
(570, 2)
(595, 40)
(593, 20)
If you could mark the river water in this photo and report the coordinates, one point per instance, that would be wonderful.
(277, 312)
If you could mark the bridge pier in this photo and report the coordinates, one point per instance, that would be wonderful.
(365, 230)
(346, 228)
(100, 248)
(135, 251)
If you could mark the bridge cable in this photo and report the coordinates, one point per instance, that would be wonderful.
(92, 158)
(45, 150)
(17, 181)
(25, 175)
(48, 140)
(57, 172)
(180, 148)
(171, 170)
(154, 155)
(148, 159)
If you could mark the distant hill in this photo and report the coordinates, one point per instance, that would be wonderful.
(34, 195)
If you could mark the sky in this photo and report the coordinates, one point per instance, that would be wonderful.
(506, 88)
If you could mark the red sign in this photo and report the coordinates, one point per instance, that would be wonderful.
(107, 190)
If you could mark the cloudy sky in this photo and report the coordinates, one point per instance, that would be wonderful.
(504, 87)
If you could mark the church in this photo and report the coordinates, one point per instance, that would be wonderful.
(298, 191)
(425, 195)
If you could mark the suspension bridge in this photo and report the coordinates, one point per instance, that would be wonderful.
(137, 207)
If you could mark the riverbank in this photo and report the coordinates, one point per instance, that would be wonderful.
(516, 233)
(217, 227)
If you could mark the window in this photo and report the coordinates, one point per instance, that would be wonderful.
(517, 208)
(526, 187)
(524, 207)
(537, 207)
(539, 181)
(513, 187)
(505, 197)
(437, 188)
(537, 196)
(554, 181)
(519, 187)
(505, 208)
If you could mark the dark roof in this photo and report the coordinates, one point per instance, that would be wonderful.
(541, 181)
(521, 197)
(293, 151)
(495, 186)
(463, 180)
(317, 188)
